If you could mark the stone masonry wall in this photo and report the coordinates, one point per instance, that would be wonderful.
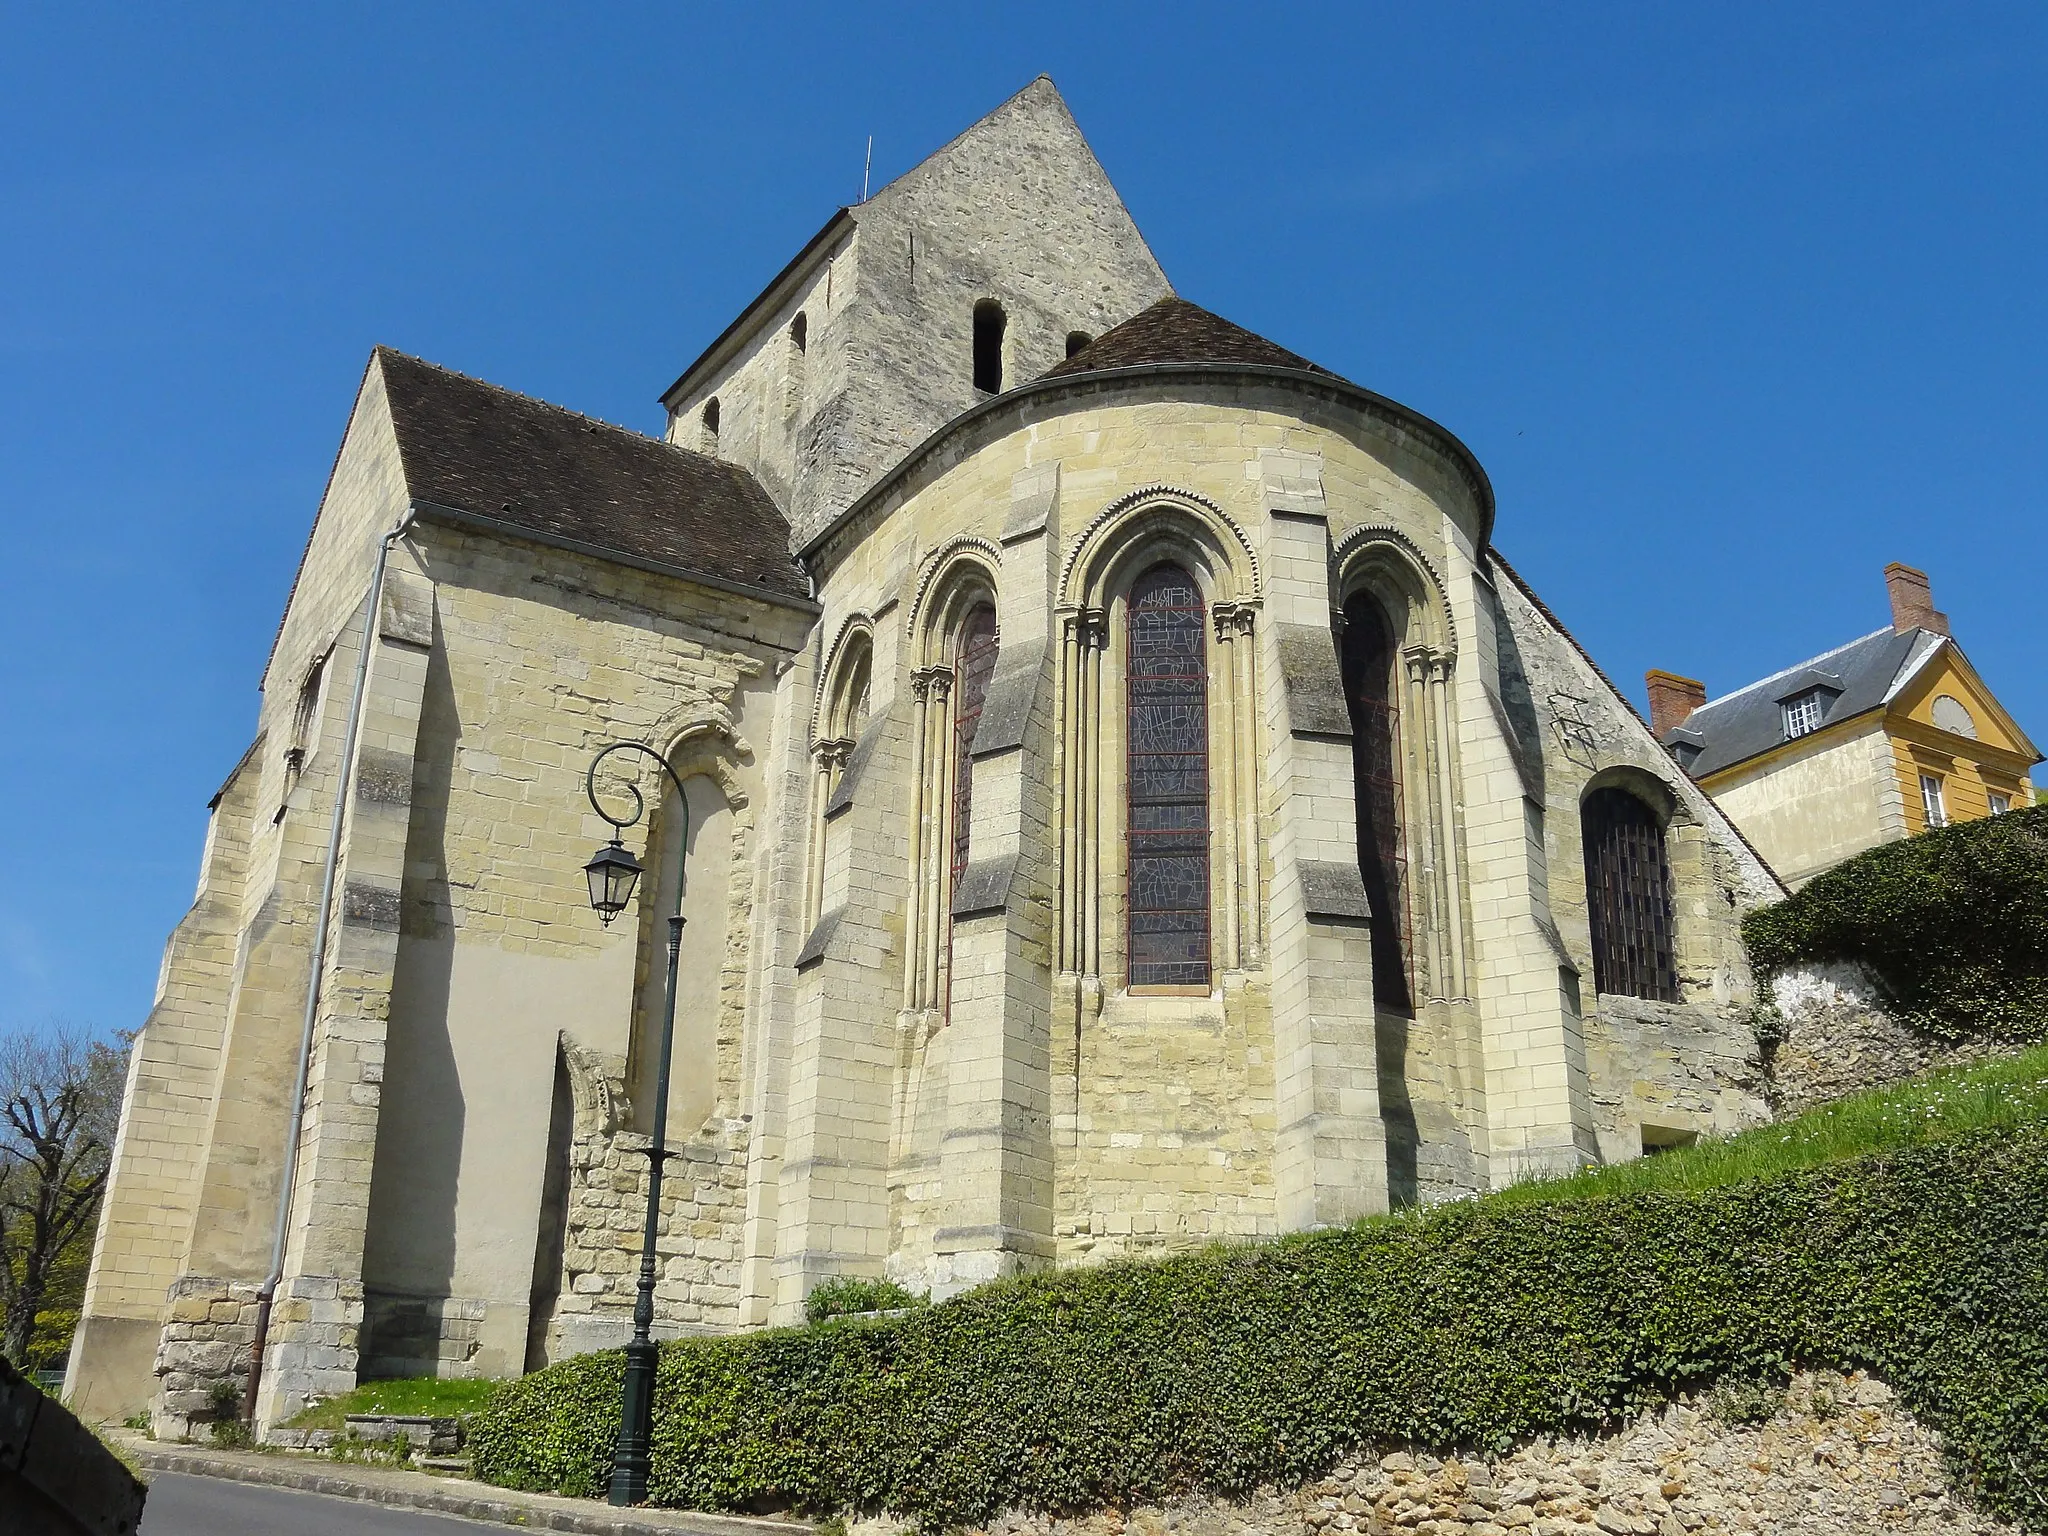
(1834, 1037)
(703, 1214)
(1838, 1457)
(209, 1325)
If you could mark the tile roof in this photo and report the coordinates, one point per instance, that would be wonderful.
(1750, 721)
(495, 454)
(1175, 331)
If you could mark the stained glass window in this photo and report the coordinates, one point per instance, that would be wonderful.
(1166, 706)
(1373, 694)
(1628, 897)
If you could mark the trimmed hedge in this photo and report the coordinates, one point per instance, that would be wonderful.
(1953, 923)
(1469, 1326)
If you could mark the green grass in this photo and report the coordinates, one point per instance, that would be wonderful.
(1991, 1095)
(422, 1395)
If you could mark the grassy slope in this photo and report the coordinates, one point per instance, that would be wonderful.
(1994, 1095)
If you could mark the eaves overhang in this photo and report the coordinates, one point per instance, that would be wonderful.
(778, 289)
(1050, 389)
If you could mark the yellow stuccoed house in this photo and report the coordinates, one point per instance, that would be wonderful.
(1880, 739)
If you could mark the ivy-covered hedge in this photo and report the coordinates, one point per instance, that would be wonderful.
(1465, 1327)
(1953, 923)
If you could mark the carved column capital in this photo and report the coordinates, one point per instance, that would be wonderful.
(1244, 616)
(1223, 616)
(1441, 664)
(1417, 658)
(1092, 624)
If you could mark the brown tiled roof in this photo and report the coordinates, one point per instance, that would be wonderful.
(1175, 331)
(487, 451)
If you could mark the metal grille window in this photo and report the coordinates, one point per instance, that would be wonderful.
(1628, 897)
(1373, 697)
(1166, 707)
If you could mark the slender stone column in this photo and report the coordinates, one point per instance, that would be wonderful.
(1425, 814)
(1231, 717)
(1095, 641)
(920, 843)
(1244, 750)
(1069, 947)
(939, 868)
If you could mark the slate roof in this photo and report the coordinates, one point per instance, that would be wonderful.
(495, 454)
(1740, 725)
(1175, 331)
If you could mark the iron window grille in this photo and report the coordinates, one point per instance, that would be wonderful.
(1628, 898)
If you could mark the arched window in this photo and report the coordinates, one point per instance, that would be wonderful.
(1628, 897)
(800, 332)
(974, 663)
(1373, 694)
(1166, 711)
(711, 421)
(989, 322)
(1076, 340)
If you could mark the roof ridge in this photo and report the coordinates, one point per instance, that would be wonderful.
(565, 410)
(1797, 666)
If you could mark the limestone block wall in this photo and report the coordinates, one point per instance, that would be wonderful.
(1837, 1457)
(1017, 210)
(139, 1248)
(538, 660)
(207, 1329)
(1165, 1123)
(1657, 1073)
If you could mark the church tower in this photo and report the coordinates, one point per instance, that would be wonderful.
(992, 261)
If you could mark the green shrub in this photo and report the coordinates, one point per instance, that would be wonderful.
(851, 1294)
(1469, 1326)
(1953, 923)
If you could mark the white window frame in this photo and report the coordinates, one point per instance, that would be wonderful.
(1803, 714)
(1933, 801)
(2000, 802)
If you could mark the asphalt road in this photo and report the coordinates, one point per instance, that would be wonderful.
(180, 1505)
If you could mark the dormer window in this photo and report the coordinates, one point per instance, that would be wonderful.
(1803, 712)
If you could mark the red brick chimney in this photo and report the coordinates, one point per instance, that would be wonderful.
(1912, 599)
(1672, 700)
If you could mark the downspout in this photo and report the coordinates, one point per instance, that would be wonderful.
(323, 923)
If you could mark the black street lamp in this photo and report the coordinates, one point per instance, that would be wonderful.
(612, 872)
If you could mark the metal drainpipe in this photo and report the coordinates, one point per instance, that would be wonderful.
(322, 924)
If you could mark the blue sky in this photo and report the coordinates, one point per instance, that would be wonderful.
(1736, 304)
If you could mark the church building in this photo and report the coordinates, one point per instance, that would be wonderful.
(1127, 802)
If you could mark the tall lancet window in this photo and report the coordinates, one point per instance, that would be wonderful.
(973, 665)
(1166, 706)
(1371, 690)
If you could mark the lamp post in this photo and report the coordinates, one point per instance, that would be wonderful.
(612, 872)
